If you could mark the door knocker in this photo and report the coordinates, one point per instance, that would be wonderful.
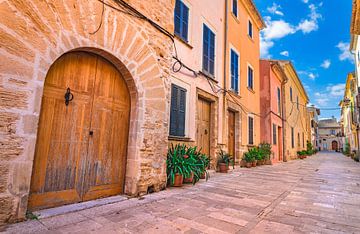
(68, 97)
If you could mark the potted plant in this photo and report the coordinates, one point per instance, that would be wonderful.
(223, 161)
(259, 157)
(249, 158)
(266, 151)
(182, 162)
(205, 164)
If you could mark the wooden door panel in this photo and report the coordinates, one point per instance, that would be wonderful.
(231, 133)
(109, 123)
(63, 132)
(203, 126)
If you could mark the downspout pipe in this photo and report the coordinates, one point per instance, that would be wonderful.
(225, 67)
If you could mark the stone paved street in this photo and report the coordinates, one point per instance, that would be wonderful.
(319, 195)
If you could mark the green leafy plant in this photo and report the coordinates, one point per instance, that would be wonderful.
(249, 157)
(224, 157)
(204, 162)
(265, 150)
(309, 148)
(347, 149)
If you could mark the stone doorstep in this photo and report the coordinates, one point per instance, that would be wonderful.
(46, 213)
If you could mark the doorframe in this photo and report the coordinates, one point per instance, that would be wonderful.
(213, 100)
(237, 110)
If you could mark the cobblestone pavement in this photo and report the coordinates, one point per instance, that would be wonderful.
(320, 194)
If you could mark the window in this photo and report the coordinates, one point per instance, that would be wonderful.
(297, 102)
(298, 140)
(332, 132)
(234, 67)
(250, 29)
(303, 140)
(292, 138)
(177, 113)
(291, 95)
(181, 18)
(208, 51)
(235, 7)
(251, 130)
(279, 100)
(274, 134)
(250, 78)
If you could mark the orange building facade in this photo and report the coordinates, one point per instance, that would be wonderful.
(242, 77)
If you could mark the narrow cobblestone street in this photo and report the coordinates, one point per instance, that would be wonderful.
(320, 195)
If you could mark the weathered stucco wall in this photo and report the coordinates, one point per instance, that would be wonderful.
(33, 34)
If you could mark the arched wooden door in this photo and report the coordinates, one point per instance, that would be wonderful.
(334, 145)
(81, 146)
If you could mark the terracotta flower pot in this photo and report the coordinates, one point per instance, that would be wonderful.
(254, 163)
(268, 162)
(178, 181)
(223, 168)
(248, 164)
(242, 163)
(189, 179)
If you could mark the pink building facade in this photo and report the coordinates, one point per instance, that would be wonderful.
(272, 80)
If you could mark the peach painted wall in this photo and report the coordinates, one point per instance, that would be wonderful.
(200, 13)
(269, 82)
(249, 54)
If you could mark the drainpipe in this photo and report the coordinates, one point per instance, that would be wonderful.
(225, 67)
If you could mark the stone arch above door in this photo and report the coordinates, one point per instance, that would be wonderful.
(35, 34)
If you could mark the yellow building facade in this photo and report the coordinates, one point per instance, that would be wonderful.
(348, 114)
(297, 121)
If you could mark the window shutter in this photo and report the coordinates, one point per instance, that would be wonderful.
(174, 110)
(212, 53)
(236, 73)
(185, 20)
(206, 49)
(251, 131)
(177, 17)
(235, 7)
(181, 114)
(232, 70)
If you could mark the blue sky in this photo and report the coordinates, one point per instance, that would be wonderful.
(315, 36)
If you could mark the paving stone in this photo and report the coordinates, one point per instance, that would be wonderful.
(318, 195)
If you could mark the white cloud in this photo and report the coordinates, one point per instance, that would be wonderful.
(265, 47)
(307, 26)
(345, 53)
(326, 64)
(305, 1)
(285, 53)
(312, 76)
(275, 9)
(311, 24)
(336, 90)
(277, 29)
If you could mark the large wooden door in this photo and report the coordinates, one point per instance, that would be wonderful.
(203, 125)
(81, 147)
(231, 133)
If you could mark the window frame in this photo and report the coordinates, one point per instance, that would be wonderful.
(253, 75)
(183, 6)
(250, 33)
(274, 134)
(232, 49)
(207, 72)
(278, 93)
(250, 117)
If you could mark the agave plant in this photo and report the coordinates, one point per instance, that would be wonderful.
(224, 157)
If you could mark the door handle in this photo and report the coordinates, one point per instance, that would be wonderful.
(91, 133)
(68, 96)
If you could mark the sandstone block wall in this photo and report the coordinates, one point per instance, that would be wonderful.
(33, 34)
